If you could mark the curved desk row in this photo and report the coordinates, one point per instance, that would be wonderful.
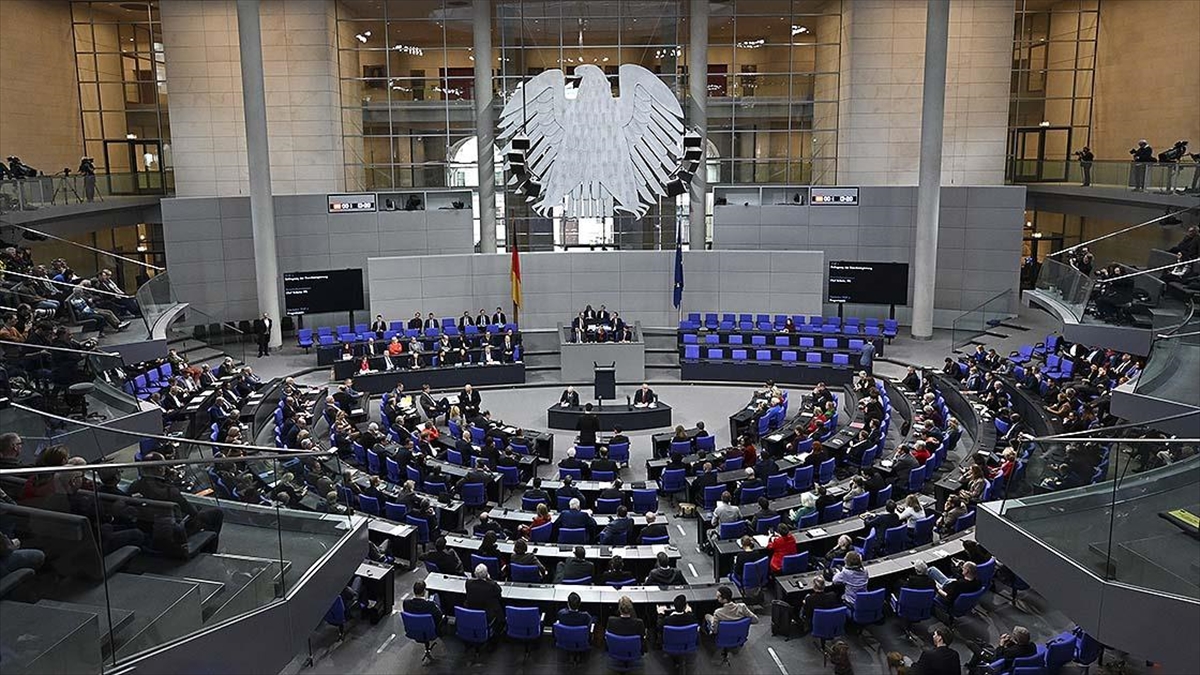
(627, 417)
(378, 382)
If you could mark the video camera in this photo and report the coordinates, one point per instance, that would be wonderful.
(87, 166)
(19, 169)
(1175, 153)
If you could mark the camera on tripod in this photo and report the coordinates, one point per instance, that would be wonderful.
(18, 169)
(1175, 153)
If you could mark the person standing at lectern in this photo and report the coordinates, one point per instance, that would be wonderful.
(644, 396)
(569, 398)
(587, 426)
(469, 401)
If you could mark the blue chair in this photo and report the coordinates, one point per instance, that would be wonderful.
(732, 463)
(573, 535)
(435, 488)
(645, 500)
(624, 651)
(665, 539)
(691, 352)
(859, 503)
(913, 606)
(829, 624)
(825, 474)
(510, 477)
(580, 581)
(575, 640)
(472, 626)
(916, 479)
(754, 575)
(619, 453)
(880, 498)
(985, 571)
(751, 495)
(870, 544)
(964, 521)
(831, 513)
(529, 574)
(712, 493)
(705, 443)
(422, 526)
(393, 470)
(795, 563)
(731, 530)
(802, 479)
(604, 476)
(732, 635)
(524, 624)
(788, 356)
(575, 474)
(304, 338)
(963, 605)
(680, 641)
(420, 628)
(765, 525)
(681, 447)
(492, 563)
(895, 539)
(1059, 652)
(454, 457)
(336, 616)
(394, 511)
(607, 506)
(777, 485)
(868, 607)
(585, 452)
(369, 504)
(530, 503)
(1034, 664)
(923, 530)
(474, 495)
(519, 447)
(673, 482)
(542, 533)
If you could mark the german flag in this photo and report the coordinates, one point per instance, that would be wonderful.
(515, 276)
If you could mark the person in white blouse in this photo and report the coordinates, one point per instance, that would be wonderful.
(912, 511)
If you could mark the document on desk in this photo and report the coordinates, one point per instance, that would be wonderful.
(659, 548)
(816, 532)
(885, 463)
(761, 540)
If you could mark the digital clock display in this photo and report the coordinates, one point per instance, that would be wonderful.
(356, 203)
(834, 196)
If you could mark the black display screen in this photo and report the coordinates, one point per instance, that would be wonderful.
(322, 291)
(868, 283)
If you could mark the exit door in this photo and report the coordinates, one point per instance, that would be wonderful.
(134, 167)
(1040, 154)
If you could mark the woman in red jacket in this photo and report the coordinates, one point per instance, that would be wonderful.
(781, 544)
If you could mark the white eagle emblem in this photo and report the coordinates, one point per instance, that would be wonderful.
(597, 154)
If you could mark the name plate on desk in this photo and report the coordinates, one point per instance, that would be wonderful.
(816, 532)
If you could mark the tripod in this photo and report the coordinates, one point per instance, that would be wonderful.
(64, 183)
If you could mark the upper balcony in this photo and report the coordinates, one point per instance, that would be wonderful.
(66, 205)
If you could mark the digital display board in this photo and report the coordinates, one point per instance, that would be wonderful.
(363, 202)
(322, 291)
(833, 196)
(868, 283)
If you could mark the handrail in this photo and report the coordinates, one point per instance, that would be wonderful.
(39, 348)
(89, 289)
(1075, 435)
(26, 470)
(1152, 269)
(1128, 229)
(85, 246)
(158, 437)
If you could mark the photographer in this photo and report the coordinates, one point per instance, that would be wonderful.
(87, 169)
(1086, 157)
(1143, 154)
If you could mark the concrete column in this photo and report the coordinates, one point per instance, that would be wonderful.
(697, 111)
(484, 129)
(258, 156)
(929, 185)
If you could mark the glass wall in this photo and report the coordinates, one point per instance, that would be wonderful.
(122, 76)
(1050, 110)
(407, 86)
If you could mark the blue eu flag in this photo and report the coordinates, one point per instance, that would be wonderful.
(678, 270)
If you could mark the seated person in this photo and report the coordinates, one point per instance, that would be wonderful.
(569, 398)
(447, 562)
(575, 518)
(485, 525)
(575, 567)
(652, 530)
(616, 574)
(951, 512)
(664, 574)
(644, 396)
(570, 491)
(1015, 645)
(618, 529)
(748, 554)
(820, 597)
(727, 610)
(572, 614)
(781, 544)
(483, 593)
(603, 463)
(420, 604)
(949, 589)
(679, 614)
(626, 623)
(522, 556)
(574, 463)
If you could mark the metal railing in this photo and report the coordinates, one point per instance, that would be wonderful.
(28, 194)
(1164, 177)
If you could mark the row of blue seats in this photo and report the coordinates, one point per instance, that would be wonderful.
(153, 380)
(737, 339)
(815, 324)
(343, 333)
(526, 625)
(693, 353)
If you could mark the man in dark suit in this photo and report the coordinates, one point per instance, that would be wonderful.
(429, 405)
(484, 593)
(765, 513)
(750, 482)
(588, 426)
(569, 398)
(618, 529)
(431, 322)
(574, 518)
(818, 598)
(343, 399)
(575, 567)
(942, 659)
(447, 562)
(477, 475)
(883, 521)
(572, 462)
(663, 574)
(482, 319)
(820, 396)
(644, 395)
(617, 436)
(652, 530)
(469, 401)
(706, 478)
(464, 321)
(415, 323)
(535, 492)
(603, 463)
(765, 467)
(902, 464)
(379, 326)
(569, 491)
(498, 317)
(522, 556)
(419, 604)
(485, 525)
(572, 614)
(464, 447)
(262, 329)
(613, 491)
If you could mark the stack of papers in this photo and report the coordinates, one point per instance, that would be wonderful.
(816, 532)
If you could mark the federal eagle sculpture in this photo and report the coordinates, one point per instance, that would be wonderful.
(594, 154)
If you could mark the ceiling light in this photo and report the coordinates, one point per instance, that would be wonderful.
(798, 30)
(752, 44)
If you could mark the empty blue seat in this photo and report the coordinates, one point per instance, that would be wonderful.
(624, 651)
(808, 342)
(782, 341)
(737, 354)
(689, 339)
(715, 353)
(762, 355)
(472, 626)
(691, 353)
(758, 340)
(795, 563)
(788, 356)
(812, 357)
(841, 359)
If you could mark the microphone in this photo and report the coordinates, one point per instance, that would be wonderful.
(628, 402)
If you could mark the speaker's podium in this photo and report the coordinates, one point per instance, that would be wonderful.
(605, 380)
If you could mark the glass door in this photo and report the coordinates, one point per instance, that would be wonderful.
(1040, 154)
(134, 166)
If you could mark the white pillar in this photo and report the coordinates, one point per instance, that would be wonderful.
(933, 111)
(262, 208)
(484, 129)
(698, 116)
